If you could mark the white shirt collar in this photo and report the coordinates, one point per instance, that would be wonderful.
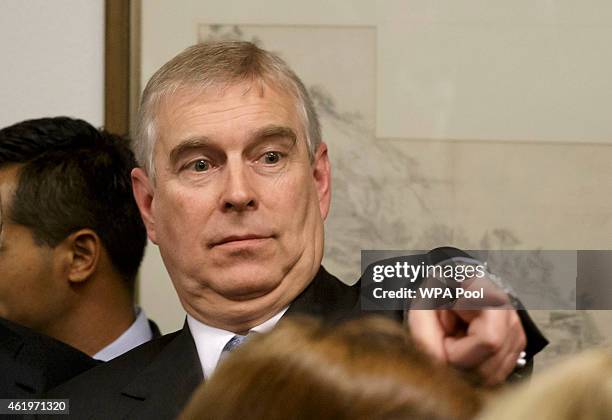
(139, 332)
(210, 341)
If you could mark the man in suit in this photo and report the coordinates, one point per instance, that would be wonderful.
(234, 186)
(71, 237)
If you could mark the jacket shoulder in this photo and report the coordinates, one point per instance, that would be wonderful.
(32, 363)
(110, 377)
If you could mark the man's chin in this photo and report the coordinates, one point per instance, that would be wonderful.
(247, 283)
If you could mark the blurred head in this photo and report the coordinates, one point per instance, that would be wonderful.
(66, 213)
(303, 369)
(579, 388)
(234, 184)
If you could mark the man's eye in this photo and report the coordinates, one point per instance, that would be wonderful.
(271, 158)
(201, 165)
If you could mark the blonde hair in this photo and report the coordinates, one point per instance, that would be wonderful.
(219, 64)
(579, 388)
(304, 369)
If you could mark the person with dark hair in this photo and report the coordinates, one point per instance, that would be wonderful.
(305, 369)
(71, 237)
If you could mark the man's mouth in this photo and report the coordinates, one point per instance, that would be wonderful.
(241, 240)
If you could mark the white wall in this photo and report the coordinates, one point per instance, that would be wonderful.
(51, 59)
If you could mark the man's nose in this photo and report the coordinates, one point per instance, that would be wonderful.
(238, 194)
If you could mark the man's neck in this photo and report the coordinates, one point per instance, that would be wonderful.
(99, 318)
(210, 341)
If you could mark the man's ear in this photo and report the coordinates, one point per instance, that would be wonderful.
(322, 179)
(143, 194)
(83, 253)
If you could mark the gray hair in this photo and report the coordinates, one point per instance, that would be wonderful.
(213, 64)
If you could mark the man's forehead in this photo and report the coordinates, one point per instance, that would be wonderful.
(216, 97)
(259, 104)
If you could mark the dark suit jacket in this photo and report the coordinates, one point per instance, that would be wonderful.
(156, 379)
(32, 363)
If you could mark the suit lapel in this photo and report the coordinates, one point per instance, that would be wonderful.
(169, 380)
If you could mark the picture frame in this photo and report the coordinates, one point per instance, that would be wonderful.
(121, 64)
